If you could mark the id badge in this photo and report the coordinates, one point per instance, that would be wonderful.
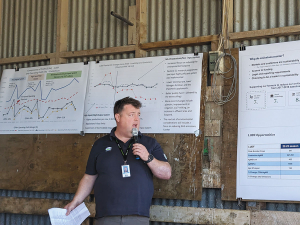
(125, 171)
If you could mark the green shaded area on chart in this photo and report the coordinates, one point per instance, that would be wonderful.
(61, 75)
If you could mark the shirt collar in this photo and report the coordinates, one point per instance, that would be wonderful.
(112, 134)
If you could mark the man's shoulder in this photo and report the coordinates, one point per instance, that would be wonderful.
(106, 138)
(148, 139)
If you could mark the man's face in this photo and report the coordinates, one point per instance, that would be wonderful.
(129, 118)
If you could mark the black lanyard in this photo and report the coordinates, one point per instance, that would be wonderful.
(121, 150)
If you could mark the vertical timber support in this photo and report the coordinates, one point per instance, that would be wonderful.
(1, 19)
(227, 22)
(141, 27)
(132, 29)
(214, 113)
(62, 31)
(1, 16)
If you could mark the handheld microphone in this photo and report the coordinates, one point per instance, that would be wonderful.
(135, 134)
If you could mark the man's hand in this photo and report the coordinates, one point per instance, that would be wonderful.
(72, 205)
(160, 169)
(85, 187)
(141, 151)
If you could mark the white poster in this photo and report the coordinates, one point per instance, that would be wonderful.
(169, 88)
(43, 100)
(268, 166)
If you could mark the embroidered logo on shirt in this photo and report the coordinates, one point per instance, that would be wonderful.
(108, 149)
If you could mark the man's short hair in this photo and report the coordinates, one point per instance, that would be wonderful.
(119, 105)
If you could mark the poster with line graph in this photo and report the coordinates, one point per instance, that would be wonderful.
(169, 88)
(43, 100)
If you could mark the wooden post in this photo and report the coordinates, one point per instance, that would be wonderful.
(1, 15)
(62, 30)
(141, 27)
(227, 23)
(214, 45)
(132, 29)
(214, 113)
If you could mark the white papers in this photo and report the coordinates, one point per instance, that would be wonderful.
(43, 100)
(268, 165)
(60, 99)
(169, 88)
(76, 217)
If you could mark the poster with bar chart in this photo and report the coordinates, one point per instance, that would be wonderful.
(169, 88)
(43, 100)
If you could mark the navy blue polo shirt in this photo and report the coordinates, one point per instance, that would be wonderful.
(114, 194)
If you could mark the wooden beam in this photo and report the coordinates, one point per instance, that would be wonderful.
(29, 58)
(141, 21)
(62, 29)
(141, 27)
(227, 22)
(1, 18)
(246, 35)
(201, 40)
(96, 52)
(132, 29)
(274, 217)
(267, 33)
(193, 215)
(214, 45)
(229, 138)
(35, 206)
(212, 128)
(188, 215)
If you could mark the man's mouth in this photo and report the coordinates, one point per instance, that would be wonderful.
(134, 125)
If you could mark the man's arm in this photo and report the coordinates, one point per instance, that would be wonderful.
(160, 169)
(84, 189)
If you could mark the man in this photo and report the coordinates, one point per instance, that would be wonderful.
(122, 199)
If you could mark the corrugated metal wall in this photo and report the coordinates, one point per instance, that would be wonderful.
(211, 198)
(176, 19)
(29, 27)
(19, 219)
(91, 26)
(257, 15)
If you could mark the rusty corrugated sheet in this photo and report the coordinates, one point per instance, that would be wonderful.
(257, 15)
(28, 27)
(176, 19)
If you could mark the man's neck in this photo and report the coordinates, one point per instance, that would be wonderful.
(121, 136)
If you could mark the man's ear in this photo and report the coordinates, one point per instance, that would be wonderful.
(117, 117)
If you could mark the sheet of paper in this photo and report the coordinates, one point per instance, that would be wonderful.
(76, 217)
(268, 165)
(169, 88)
(43, 100)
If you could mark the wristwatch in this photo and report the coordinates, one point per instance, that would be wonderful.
(150, 158)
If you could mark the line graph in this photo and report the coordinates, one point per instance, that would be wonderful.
(20, 106)
(151, 69)
(36, 107)
(47, 99)
(126, 85)
(167, 87)
(108, 83)
(39, 85)
(134, 88)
